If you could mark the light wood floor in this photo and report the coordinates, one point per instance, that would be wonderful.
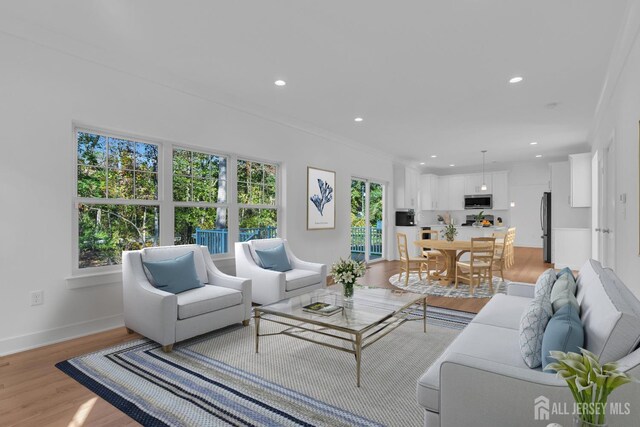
(33, 392)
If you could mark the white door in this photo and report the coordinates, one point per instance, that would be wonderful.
(607, 206)
(595, 206)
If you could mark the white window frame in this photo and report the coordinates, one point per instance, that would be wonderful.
(165, 201)
(275, 207)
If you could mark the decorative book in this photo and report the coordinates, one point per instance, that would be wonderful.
(322, 308)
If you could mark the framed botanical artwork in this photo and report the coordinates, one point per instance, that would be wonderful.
(321, 205)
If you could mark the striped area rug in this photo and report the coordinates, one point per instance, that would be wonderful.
(218, 380)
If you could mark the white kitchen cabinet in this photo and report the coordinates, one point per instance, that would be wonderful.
(580, 166)
(473, 183)
(500, 190)
(428, 192)
(412, 188)
(456, 193)
(443, 202)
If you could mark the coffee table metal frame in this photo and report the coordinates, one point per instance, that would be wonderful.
(306, 328)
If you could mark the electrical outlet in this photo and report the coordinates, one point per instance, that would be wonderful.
(37, 297)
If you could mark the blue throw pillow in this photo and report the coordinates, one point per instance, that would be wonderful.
(568, 271)
(564, 332)
(174, 275)
(275, 258)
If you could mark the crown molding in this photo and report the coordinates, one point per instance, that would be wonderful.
(25, 31)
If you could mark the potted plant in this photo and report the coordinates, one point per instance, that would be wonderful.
(440, 219)
(450, 232)
(478, 219)
(346, 272)
(589, 382)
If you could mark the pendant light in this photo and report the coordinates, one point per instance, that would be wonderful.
(484, 185)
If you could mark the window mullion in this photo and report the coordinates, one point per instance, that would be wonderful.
(233, 212)
(165, 195)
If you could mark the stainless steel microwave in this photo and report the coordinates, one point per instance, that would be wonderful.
(478, 201)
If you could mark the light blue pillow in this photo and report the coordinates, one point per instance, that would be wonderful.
(564, 333)
(532, 325)
(174, 275)
(545, 283)
(274, 259)
(563, 293)
(568, 271)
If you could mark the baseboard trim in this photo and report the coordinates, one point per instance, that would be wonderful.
(33, 340)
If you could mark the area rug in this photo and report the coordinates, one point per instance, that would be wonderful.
(433, 287)
(218, 379)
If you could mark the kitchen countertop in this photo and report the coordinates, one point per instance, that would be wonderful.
(491, 227)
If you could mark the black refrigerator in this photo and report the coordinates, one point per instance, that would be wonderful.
(545, 224)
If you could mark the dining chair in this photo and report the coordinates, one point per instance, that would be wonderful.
(510, 239)
(408, 263)
(480, 263)
(433, 257)
(500, 253)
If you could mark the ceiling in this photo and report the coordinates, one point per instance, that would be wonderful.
(428, 77)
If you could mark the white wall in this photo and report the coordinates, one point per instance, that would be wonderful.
(42, 93)
(618, 115)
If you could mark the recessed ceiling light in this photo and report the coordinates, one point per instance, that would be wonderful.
(433, 156)
(280, 83)
(538, 155)
(516, 79)
(358, 119)
(533, 143)
(422, 163)
(451, 165)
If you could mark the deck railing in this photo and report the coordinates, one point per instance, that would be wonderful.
(218, 240)
(358, 240)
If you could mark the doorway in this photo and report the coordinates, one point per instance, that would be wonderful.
(367, 220)
(603, 209)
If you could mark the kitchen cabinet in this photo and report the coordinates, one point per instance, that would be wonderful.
(443, 203)
(473, 184)
(456, 193)
(406, 187)
(580, 166)
(428, 192)
(500, 190)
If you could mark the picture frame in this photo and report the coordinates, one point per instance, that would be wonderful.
(321, 205)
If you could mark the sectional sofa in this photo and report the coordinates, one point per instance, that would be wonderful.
(482, 380)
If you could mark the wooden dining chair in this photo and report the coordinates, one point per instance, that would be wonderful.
(510, 257)
(433, 257)
(500, 253)
(408, 263)
(480, 263)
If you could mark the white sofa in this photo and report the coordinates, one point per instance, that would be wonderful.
(271, 286)
(169, 318)
(481, 379)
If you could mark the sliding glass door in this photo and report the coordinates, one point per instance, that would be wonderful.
(367, 211)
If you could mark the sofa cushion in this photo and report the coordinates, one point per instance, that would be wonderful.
(610, 313)
(563, 297)
(544, 284)
(563, 282)
(262, 244)
(477, 340)
(503, 310)
(205, 300)
(564, 333)
(274, 259)
(532, 324)
(167, 252)
(568, 271)
(174, 275)
(299, 278)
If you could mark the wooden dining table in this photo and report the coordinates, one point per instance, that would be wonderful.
(451, 251)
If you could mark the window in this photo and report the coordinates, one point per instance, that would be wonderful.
(257, 200)
(200, 193)
(116, 198)
(125, 198)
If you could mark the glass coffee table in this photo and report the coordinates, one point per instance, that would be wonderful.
(370, 315)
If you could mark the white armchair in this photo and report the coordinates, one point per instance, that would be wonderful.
(272, 286)
(169, 318)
